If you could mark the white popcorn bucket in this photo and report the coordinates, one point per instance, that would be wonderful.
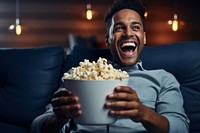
(92, 96)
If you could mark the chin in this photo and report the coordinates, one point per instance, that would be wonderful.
(128, 63)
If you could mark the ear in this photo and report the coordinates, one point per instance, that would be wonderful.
(145, 39)
(107, 41)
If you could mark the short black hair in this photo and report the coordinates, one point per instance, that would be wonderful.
(135, 5)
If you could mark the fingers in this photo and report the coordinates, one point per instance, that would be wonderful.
(63, 97)
(62, 92)
(65, 105)
(123, 104)
(123, 93)
(59, 101)
(126, 113)
(124, 108)
(124, 89)
(123, 97)
(67, 112)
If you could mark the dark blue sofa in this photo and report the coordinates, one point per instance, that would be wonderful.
(29, 76)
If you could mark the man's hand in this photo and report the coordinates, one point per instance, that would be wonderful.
(65, 105)
(125, 102)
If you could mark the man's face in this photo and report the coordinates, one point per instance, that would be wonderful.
(126, 37)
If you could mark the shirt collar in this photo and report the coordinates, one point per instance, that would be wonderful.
(137, 66)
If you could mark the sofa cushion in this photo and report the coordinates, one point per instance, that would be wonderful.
(11, 128)
(28, 77)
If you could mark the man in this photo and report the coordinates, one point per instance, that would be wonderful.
(152, 102)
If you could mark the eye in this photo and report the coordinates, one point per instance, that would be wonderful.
(136, 27)
(118, 28)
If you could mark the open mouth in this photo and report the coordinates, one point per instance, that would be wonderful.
(128, 48)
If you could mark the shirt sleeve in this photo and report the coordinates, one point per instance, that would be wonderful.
(170, 104)
(38, 121)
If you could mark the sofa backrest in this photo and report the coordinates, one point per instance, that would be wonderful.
(181, 59)
(28, 78)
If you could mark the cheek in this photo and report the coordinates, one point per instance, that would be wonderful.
(115, 39)
(142, 37)
(142, 43)
(111, 40)
(113, 45)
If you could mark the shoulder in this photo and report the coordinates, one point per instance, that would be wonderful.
(164, 77)
(160, 73)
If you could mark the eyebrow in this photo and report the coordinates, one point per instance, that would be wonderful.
(121, 23)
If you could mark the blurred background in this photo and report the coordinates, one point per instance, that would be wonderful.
(63, 22)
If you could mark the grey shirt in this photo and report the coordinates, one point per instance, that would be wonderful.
(157, 89)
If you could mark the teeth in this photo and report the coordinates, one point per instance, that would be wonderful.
(128, 44)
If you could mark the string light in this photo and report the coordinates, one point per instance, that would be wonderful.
(146, 14)
(89, 12)
(16, 26)
(174, 22)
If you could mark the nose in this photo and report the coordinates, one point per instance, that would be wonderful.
(128, 32)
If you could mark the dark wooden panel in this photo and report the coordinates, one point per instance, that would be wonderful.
(48, 22)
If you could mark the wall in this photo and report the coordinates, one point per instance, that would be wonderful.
(49, 22)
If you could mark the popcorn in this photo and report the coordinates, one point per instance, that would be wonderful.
(99, 70)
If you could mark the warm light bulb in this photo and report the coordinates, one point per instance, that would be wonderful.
(89, 14)
(145, 14)
(18, 29)
(89, 11)
(175, 25)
